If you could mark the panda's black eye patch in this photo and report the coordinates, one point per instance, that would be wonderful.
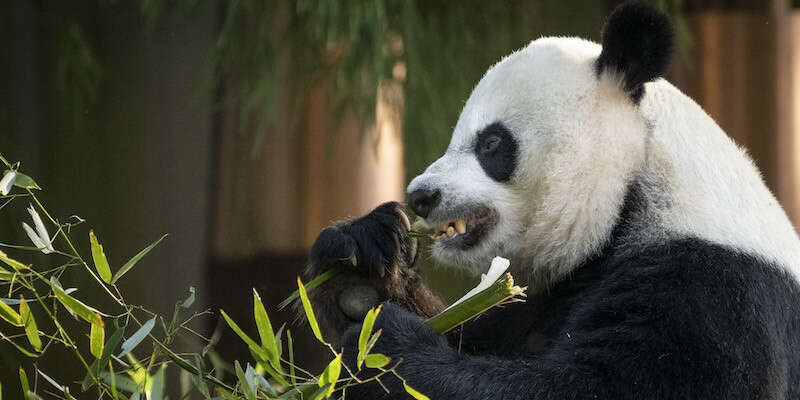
(496, 150)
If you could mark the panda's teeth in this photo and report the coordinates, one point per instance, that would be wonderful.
(461, 226)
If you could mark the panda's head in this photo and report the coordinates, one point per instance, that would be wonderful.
(539, 160)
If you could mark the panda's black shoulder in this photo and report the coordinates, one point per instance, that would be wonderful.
(694, 283)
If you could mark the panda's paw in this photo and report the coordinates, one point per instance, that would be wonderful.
(404, 338)
(375, 245)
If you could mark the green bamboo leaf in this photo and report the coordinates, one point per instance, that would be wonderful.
(320, 279)
(290, 345)
(247, 387)
(25, 182)
(89, 314)
(137, 337)
(99, 257)
(51, 381)
(417, 395)
(188, 367)
(376, 360)
(312, 320)
(279, 341)
(18, 347)
(8, 314)
(6, 275)
(31, 331)
(366, 332)
(189, 300)
(261, 381)
(114, 393)
(97, 365)
(372, 341)
(128, 265)
(250, 342)
(157, 385)
(97, 337)
(331, 374)
(261, 357)
(265, 331)
(321, 392)
(23, 380)
(18, 266)
(121, 382)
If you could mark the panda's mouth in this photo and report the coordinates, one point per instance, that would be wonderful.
(467, 231)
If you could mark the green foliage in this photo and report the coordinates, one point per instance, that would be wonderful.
(112, 377)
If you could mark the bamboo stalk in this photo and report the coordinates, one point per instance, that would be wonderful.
(499, 292)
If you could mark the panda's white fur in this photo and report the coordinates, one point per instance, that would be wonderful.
(581, 141)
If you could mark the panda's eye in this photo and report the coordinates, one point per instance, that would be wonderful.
(490, 144)
(496, 150)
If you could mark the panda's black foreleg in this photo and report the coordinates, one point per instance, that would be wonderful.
(377, 260)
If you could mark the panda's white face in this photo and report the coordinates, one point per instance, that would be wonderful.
(533, 135)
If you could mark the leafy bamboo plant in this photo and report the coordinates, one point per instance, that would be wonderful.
(32, 298)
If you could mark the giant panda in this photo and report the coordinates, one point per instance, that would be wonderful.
(658, 263)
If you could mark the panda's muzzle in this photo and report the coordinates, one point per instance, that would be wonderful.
(467, 229)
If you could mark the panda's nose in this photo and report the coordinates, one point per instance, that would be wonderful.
(422, 201)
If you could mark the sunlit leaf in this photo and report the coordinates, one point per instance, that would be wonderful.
(18, 347)
(312, 320)
(23, 380)
(376, 360)
(331, 374)
(137, 337)
(99, 257)
(265, 331)
(250, 342)
(97, 337)
(372, 341)
(8, 314)
(322, 392)
(318, 280)
(247, 387)
(18, 266)
(417, 395)
(128, 265)
(9, 176)
(98, 365)
(366, 332)
(6, 275)
(261, 357)
(31, 331)
(89, 314)
(114, 393)
(25, 182)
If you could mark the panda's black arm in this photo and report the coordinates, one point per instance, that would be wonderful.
(683, 321)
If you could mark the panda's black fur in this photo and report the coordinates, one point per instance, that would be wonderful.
(678, 318)
(637, 43)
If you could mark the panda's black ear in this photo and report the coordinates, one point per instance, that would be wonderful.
(637, 44)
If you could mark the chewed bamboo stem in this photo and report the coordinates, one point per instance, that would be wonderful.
(496, 294)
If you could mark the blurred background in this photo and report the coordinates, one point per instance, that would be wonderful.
(241, 128)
